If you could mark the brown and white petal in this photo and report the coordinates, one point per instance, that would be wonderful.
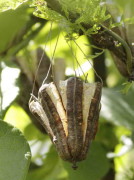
(70, 116)
(51, 104)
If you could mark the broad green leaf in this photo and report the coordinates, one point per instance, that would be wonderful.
(118, 108)
(10, 4)
(14, 153)
(12, 21)
(93, 168)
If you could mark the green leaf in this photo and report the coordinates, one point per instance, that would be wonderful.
(14, 113)
(89, 12)
(14, 153)
(92, 56)
(58, 173)
(34, 133)
(93, 46)
(44, 12)
(10, 4)
(118, 108)
(127, 87)
(12, 21)
(93, 168)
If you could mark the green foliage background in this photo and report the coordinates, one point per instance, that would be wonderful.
(113, 147)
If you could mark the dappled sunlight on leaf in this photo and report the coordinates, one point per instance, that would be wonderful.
(17, 117)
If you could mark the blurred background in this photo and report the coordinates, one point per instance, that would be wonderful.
(25, 40)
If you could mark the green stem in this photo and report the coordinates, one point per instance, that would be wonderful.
(125, 45)
(1, 98)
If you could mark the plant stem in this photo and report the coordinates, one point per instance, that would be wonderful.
(1, 97)
(126, 47)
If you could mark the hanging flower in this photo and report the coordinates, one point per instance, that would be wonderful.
(69, 116)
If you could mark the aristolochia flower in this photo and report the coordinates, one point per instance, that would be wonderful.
(69, 116)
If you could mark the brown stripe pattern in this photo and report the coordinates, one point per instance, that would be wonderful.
(59, 138)
(73, 145)
(92, 121)
(74, 115)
